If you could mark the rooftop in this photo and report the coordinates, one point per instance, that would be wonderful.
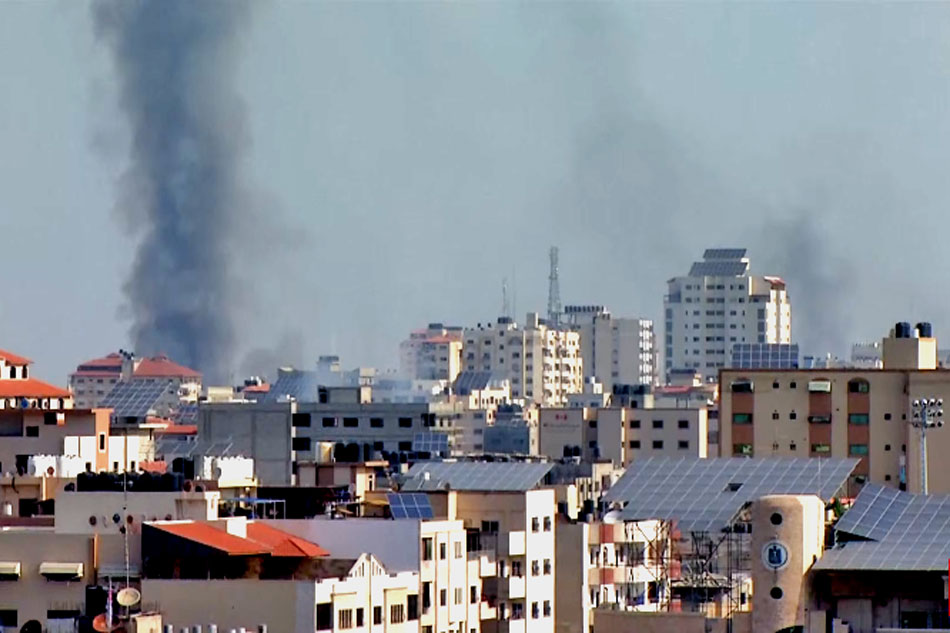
(162, 367)
(261, 539)
(31, 388)
(13, 359)
(476, 476)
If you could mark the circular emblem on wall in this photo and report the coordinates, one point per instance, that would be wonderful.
(774, 555)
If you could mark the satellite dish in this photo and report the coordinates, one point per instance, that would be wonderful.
(128, 596)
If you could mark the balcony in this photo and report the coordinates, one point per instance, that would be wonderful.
(516, 587)
(515, 544)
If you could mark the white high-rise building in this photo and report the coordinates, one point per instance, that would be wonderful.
(615, 351)
(718, 305)
(543, 364)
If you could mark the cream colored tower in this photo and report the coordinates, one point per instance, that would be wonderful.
(787, 538)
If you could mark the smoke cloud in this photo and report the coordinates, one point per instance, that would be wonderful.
(181, 194)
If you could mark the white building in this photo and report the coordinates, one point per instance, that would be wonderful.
(718, 304)
(542, 364)
(434, 353)
(614, 350)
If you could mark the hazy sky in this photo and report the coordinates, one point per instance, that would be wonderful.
(404, 158)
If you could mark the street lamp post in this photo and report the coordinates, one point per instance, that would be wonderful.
(928, 413)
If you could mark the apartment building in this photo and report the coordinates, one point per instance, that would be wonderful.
(622, 434)
(718, 304)
(94, 379)
(614, 350)
(846, 412)
(543, 364)
(623, 565)
(510, 520)
(281, 430)
(434, 353)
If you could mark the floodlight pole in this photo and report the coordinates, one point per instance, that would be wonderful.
(927, 413)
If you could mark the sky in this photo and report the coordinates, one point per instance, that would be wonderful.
(399, 160)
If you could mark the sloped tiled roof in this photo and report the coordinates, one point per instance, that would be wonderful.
(14, 359)
(282, 543)
(214, 538)
(30, 388)
(108, 365)
(162, 367)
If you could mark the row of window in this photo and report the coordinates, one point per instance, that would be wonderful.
(854, 450)
(304, 420)
(353, 618)
(855, 385)
(658, 424)
(857, 419)
(536, 524)
(517, 610)
(427, 549)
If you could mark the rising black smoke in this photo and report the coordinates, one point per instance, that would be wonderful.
(181, 194)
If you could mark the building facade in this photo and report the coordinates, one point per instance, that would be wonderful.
(614, 350)
(718, 304)
(434, 353)
(543, 364)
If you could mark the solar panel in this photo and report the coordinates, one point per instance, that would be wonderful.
(301, 385)
(723, 268)
(411, 505)
(185, 414)
(482, 476)
(135, 398)
(907, 532)
(764, 356)
(429, 442)
(705, 495)
(724, 253)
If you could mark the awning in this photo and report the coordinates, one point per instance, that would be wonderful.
(65, 571)
(118, 571)
(9, 570)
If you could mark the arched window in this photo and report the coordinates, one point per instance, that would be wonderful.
(859, 385)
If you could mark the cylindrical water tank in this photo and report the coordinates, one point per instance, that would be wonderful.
(902, 330)
(212, 628)
(196, 628)
(925, 330)
(262, 628)
(169, 628)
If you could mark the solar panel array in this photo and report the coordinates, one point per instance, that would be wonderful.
(134, 398)
(429, 442)
(412, 505)
(705, 495)
(724, 253)
(301, 385)
(476, 476)
(720, 268)
(764, 356)
(908, 532)
(185, 414)
(468, 381)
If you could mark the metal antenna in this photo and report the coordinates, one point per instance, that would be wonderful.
(505, 304)
(554, 291)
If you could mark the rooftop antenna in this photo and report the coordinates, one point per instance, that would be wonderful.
(505, 304)
(554, 291)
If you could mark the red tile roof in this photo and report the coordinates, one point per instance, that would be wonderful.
(178, 429)
(30, 388)
(14, 359)
(109, 365)
(162, 367)
(256, 388)
(261, 539)
(282, 543)
(214, 538)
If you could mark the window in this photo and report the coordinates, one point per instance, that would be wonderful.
(427, 548)
(592, 424)
(683, 445)
(517, 611)
(329, 422)
(792, 415)
(547, 524)
(634, 443)
(658, 424)
(742, 449)
(775, 415)
(792, 446)
(8, 617)
(547, 608)
(473, 594)
(443, 551)
(683, 424)
(102, 442)
(819, 419)
(887, 447)
(887, 416)
(397, 613)
(535, 610)
(535, 524)
(324, 616)
(412, 607)
(516, 569)
(859, 385)
(345, 618)
(359, 617)
(49, 418)
(458, 595)
(820, 448)
(32, 431)
(300, 444)
(300, 419)
(443, 597)
(793, 385)
(857, 449)
(858, 418)
(377, 615)
(405, 423)
(405, 445)
(535, 568)
(490, 527)
(458, 549)
(351, 423)
(742, 418)
(774, 384)
(376, 423)
(547, 566)
(658, 444)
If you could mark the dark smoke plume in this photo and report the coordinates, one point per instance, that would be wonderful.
(181, 193)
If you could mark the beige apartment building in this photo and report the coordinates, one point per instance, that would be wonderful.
(93, 379)
(863, 413)
(434, 353)
(622, 434)
(543, 364)
(615, 350)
